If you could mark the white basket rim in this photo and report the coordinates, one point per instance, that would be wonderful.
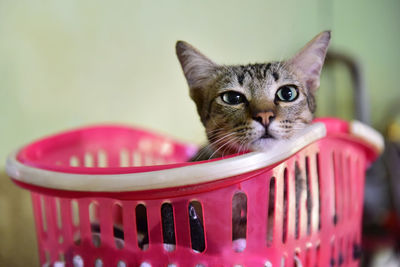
(180, 176)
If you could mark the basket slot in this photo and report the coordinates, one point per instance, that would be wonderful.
(351, 182)
(142, 226)
(74, 161)
(313, 193)
(341, 256)
(95, 225)
(301, 189)
(195, 212)
(61, 257)
(118, 226)
(239, 220)
(298, 259)
(77, 261)
(316, 192)
(344, 190)
(333, 253)
(333, 192)
(137, 158)
(102, 159)
(168, 226)
(361, 166)
(58, 213)
(339, 190)
(298, 177)
(278, 207)
(98, 262)
(124, 160)
(290, 205)
(356, 247)
(309, 203)
(271, 210)
(345, 183)
(75, 221)
(60, 222)
(285, 211)
(327, 189)
(88, 160)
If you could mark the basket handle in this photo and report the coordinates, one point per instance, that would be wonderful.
(361, 107)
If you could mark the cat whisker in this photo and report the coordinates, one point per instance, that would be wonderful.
(219, 136)
(296, 128)
(219, 148)
(216, 132)
(242, 145)
(216, 143)
(216, 129)
(226, 142)
(213, 144)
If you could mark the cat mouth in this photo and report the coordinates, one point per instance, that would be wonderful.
(266, 135)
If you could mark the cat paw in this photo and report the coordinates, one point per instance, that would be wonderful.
(239, 245)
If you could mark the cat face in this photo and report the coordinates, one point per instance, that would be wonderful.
(251, 107)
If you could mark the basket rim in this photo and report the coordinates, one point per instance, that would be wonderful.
(207, 171)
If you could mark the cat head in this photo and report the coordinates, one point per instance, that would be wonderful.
(250, 107)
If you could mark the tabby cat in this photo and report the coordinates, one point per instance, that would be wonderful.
(253, 107)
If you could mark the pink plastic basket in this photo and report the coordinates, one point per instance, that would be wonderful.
(90, 176)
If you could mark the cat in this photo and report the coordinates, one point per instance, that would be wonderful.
(253, 107)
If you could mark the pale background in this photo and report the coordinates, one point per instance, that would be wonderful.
(65, 64)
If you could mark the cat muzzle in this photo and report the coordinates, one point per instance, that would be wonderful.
(266, 135)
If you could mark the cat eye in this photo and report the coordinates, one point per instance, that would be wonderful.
(233, 98)
(287, 93)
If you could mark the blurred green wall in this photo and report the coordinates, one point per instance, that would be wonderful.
(65, 64)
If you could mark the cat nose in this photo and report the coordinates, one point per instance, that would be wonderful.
(264, 117)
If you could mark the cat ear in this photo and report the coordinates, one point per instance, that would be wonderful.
(308, 61)
(197, 68)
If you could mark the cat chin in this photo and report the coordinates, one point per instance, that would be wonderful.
(266, 144)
